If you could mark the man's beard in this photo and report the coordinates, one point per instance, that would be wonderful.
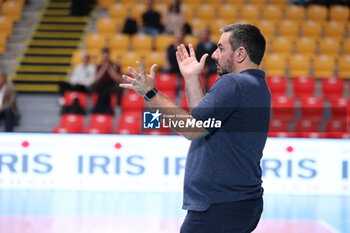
(221, 71)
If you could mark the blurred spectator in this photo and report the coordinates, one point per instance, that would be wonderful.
(8, 108)
(344, 2)
(130, 25)
(103, 104)
(81, 7)
(174, 20)
(187, 29)
(323, 2)
(108, 76)
(299, 2)
(170, 62)
(81, 78)
(327, 3)
(206, 45)
(151, 20)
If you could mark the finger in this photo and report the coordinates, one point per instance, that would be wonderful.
(192, 53)
(141, 69)
(181, 55)
(128, 79)
(184, 51)
(134, 73)
(203, 58)
(127, 86)
(178, 58)
(153, 71)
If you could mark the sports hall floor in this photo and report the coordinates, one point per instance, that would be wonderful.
(107, 212)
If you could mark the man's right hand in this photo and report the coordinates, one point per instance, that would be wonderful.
(105, 66)
(188, 64)
(102, 70)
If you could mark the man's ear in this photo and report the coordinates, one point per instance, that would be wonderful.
(241, 54)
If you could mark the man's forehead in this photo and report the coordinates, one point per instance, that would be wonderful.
(224, 39)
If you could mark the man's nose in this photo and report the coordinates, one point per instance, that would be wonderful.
(213, 56)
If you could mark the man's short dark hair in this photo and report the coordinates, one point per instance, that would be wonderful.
(105, 50)
(249, 37)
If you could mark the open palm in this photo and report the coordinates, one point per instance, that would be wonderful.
(188, 64)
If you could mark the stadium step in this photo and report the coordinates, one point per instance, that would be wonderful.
(54, 43)
(58, 4)
(61, 27)
(49, 51)
(37, 87)
(38, 78)
(67, 20)
(53, 35)
(46, 60)
(57, 12)
(42, 69)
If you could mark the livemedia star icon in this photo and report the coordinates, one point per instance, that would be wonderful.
(156, 115)
(151, 120)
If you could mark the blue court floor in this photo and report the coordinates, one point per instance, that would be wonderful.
(68, 211)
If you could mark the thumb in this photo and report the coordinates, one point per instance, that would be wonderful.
(203, 58)
(153, 71)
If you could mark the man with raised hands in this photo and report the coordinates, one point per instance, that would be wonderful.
(222, 187)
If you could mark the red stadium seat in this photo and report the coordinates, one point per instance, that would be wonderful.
(307, 129)
(279, 128)
(69, 97)
(332, 88)
(345, 136)
(129, 123)
(283, 108)
(277, 125)
(309, 135)
(100, 124)
(303, 87)
(113, 103)
(70, 123)
(277, 85)
(312, 109)
(281, 134)
(336, 128)
(131, 101)
(163, 131)
(340, 109)
(166, 82)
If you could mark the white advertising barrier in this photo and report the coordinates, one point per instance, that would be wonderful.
(156, 163)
